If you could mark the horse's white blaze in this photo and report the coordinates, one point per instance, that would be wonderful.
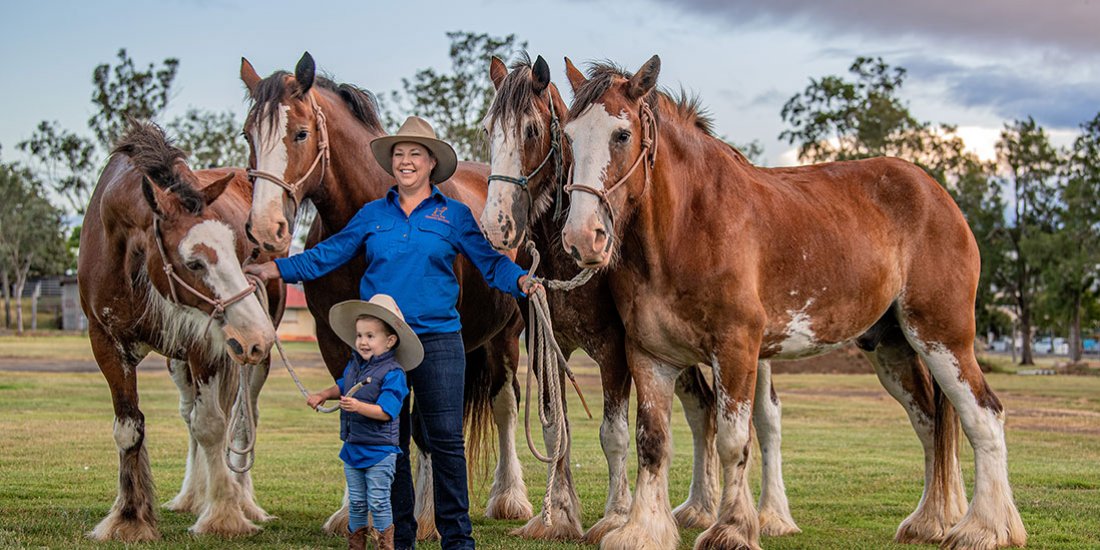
(591, 135)
(505, 159)
(126, 433)
(225, 277)
(269, 141)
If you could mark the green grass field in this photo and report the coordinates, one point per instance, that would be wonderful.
(853, 467)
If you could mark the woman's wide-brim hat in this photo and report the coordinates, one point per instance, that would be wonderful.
(417, 130)
(342, 316)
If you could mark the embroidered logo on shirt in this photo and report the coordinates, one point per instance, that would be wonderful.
(437, 214)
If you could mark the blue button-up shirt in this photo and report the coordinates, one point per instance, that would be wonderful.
(411, 258)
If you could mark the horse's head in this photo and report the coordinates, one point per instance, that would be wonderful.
(613, 131)
(288, 149)
(525, 147)
(194, 258)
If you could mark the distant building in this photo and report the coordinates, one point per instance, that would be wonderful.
(298, 324)
(72, 316)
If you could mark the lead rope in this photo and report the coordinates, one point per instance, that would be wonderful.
(547, 353)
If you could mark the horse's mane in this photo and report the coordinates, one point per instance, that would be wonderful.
(687, 108)
(362, 103)
(514, 97)
(152, 153)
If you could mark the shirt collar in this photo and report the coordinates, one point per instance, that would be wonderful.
(392, 196)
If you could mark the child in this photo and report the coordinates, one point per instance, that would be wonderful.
(371, 392)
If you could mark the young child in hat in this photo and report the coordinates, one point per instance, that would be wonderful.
(371, 393)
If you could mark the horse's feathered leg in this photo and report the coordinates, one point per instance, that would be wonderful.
(132, 517)
(189, 499)
(614, 433)
(508, 494)
(774, 510)
(701, 506)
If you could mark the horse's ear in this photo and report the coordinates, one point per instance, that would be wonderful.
(211, 192)
(249, 77)
(155, 196)
(540, 75)
(497, 72)
(304, 73)
(575, 76)
(645, 79)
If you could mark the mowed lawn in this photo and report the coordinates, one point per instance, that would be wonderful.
(853, 466)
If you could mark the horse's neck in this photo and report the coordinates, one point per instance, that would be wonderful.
(353, 177)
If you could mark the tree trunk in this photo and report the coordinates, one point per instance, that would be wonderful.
(5, 279)
(1025, 333)
(1076, 346)
(34, 304)
(20, 282)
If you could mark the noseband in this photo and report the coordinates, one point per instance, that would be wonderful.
(649, 149)
(554, 152)
(173, 279)
(322, 158)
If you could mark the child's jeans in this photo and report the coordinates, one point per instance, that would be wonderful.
(369, 489)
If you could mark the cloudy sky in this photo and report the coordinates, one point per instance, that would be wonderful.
(973, 63)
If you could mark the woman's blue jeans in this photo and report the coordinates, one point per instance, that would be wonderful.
(437, 386)
(369, 490)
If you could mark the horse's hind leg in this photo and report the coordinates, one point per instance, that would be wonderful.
(508, 494)
(614, 432)
(189, 499)
(946, 344)
(701, 506)
(221, 514)
(773, 509)
(935, 423)
(132, 517)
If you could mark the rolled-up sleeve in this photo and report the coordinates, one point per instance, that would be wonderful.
(499, 270)
(394, 390)
(328, 255)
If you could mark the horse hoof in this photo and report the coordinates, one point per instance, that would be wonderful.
(561, 529)
(724, 537)
(509, 505)
(605, 525)
(632, 536)
(979, 534)
(114, 528)
(693, 515)
(775, 524)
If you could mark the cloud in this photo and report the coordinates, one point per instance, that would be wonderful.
(1069, 25)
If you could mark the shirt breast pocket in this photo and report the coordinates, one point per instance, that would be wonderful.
(383, 238)
(435, 237)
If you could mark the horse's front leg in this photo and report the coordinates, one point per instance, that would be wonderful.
(699, 510)
(614, 434)
(508, 494)
(650, 524)
(734, 364)
(132, 517)
(216, 386)
(257, 377)
(775, 512)
(190, 498)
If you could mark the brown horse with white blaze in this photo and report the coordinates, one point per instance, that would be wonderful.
(721, 262)
(309, 139)
(160, 270)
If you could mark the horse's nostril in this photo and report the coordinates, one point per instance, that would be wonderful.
(269, 247)
(256, 352)
(280, 230)
(235, 346)
(601, 234)
(575, 253)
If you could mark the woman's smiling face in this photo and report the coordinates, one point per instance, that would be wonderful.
(412, 165)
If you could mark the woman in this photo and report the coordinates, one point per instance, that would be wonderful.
(410, 238)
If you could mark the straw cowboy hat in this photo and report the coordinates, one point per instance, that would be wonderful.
(342, 318)
(417, 130)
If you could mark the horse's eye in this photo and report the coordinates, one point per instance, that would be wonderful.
(195, 265)
(622, 136)
(532, 131)
(301, 135)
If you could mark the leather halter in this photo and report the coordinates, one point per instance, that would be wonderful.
(173, 279)
(649, 149)
(322, 158)
(555, 150)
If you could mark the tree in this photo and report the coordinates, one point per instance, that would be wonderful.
(31, 234)
(122, 92)
(64, 159)
(1031, 164)
(456, 102)
(212, 139)
(1071, 255)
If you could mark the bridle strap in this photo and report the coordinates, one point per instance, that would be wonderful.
(174, 279)
(322, 158)
(555, 149)
(647, 156)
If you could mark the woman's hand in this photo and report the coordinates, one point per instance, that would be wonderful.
(349, 404)
(265, 271)
(529, 285)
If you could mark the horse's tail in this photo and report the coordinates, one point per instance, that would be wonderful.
(152, 154)
(945, 433)
(478, 412)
